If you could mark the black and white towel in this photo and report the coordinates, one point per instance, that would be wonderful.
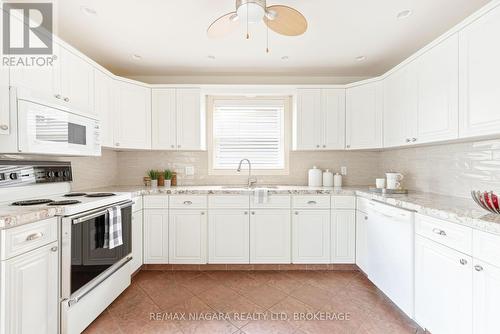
(113, 230)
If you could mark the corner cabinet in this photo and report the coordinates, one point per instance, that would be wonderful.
(133, 127)
(176, 119)
(319, 122)
(479, 73)
(364, 116)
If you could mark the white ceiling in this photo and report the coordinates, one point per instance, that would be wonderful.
(170, 36)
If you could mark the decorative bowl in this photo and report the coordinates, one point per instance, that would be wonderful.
(488, 200)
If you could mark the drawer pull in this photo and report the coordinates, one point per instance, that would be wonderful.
(438, 231)
(253, 213)
(188, 202)
(463, 262)
(34, 236)
(202, 213)
(296, 213)
(312, 202)
(366, 217)
(246, 213)
(53, 249)
(478, 268)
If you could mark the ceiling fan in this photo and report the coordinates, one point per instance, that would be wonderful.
(283, 20)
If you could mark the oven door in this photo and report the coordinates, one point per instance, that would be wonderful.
(48, 130)
(85, 261)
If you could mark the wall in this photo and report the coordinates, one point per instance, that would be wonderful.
(450, 169)
(132, 166)
(88, 172)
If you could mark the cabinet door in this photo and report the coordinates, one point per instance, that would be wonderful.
(311, 236)
(486, 294)
(104, 106)
(133, 127)
(155, 236)
(333, 119)
(188, 119)
(362, 241)
(164, 123)
(228, 236)
(77, 82)
(308, 126)
(187, 236)
(400, 101)
(437, 112)
(29, 291)
(270, 235)
(364, 108)
(443, 288)
(479, 73)
(4, 101)
(343, 236)
(137, 235)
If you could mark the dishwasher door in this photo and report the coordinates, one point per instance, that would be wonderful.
(391, 245)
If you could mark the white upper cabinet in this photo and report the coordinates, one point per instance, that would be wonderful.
(364, 116)
(479, 73)
(320, 119)
(436, 118)
(4, 101)
(177, 119)
(400, 101)
(104, 106)
(76, 82)
(133, 116)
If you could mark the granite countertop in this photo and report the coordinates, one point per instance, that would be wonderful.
(455, 209)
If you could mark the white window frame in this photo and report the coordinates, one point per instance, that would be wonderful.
(287, 127)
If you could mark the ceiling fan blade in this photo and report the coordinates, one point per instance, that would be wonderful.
(285, 20)
(223, 26)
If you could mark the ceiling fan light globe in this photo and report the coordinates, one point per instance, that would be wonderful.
(254, 11)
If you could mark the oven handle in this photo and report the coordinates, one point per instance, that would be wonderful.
(99, 212)
(97, 281)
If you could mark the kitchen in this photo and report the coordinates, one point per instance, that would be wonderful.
(250, 177)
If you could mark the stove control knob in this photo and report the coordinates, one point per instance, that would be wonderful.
(65, 173)
(58, 174)
(13, 176)
(50, 174)
(2, 176)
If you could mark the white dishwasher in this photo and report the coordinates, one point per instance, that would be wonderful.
(391, 248)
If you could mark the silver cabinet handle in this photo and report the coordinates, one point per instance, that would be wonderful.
(66, 99)
(366, 217)
(53, 249)
(312, 202)
(317, 146)
(203, 213)
(58, 96)
(117, 144)
(478, 268)
(245, 213)
(463, 262)
(188, 202)
(324, 146)
(4, 127)
(438, 231)
(414, 139)
(253, 213)
(172, 146)
(34, 236)
(296, 213)
(348, 146)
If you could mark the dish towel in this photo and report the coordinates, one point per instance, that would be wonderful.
(113, 235)
(261, 195)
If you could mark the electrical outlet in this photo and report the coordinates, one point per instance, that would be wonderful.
(343, 170)
(189, 170)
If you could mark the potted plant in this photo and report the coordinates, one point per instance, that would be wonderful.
(153, 175)
(167, 174)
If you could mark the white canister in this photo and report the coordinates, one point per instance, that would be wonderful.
(337, 180)
(327, 178)
(315, 177)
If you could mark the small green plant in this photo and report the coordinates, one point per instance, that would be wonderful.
(153, 174)
(168, 174)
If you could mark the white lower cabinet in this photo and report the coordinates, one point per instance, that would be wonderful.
(270, 234)
(443, 288)
(187, 236)
(362, 241)
(137, 223)
(155, 236)
(343, 236)
(29, 292)
(311, 236)
(486, 291)
(228, 236)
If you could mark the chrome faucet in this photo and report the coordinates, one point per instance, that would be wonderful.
(251, 181)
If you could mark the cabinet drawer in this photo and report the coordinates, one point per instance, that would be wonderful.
(188, 201)
(311, 202)
(137, 206)
(449, 234)
(486, 247)
(273, 202)
(343, 202)
(229, 201)
(22, 239)
(155, 202)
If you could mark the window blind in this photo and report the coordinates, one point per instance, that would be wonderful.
(248, 129)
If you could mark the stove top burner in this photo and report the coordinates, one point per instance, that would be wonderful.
(100, 195)
(68, 202)
(75, 194)
(32, 202)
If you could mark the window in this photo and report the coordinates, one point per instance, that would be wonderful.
(251, 128)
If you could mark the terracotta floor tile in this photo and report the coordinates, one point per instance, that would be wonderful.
(199, 283)
(104, 324)
(241, 310)
(313, 296)
(217, 296)
(265, 295)
(168, 296)
(269, 327)
(206, 327)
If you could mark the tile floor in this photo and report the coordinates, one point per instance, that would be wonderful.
(246, 301)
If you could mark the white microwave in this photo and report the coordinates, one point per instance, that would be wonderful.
(45, 129)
